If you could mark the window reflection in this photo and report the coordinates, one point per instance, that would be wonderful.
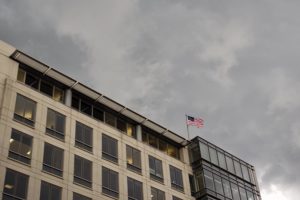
(204, 151)
(209, 180)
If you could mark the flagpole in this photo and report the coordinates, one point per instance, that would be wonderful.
(187, 127)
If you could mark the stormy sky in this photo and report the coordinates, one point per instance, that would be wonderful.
(233, 63)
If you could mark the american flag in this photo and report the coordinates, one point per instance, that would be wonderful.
(194, 121)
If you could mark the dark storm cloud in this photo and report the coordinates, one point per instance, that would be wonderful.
(24, 26)
(233, 63)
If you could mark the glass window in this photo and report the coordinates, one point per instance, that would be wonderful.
(204, 151)
(55, 124)
(251, 174)
(53, 159)
(109, 148)
(133, 159)
(15, 185)
(135, 189)
(157, 194)
(250, 195)
(199, 181)
(82, 171)
(46, 88)
(195, 154)
(21, 75)
(121, 125)
(110, 182)
(32, 81)
(218, 184)
(110, 119)
(173, 151)
(58, 94)
(162, 145)
(227, 190)
(86, 108)
(145, 137)
(50, 191)
(77, 196)
(213, 156)
(84, 137)
(245, 173)
(153, 141)
(20, 147)
(243, 193)
(75, 102)
(235, 191)
(98, 114)
(237, 167)
(156, 170)
(222, 162)
(229, 164)
(176, 178)
(25, 110)
(131, 130)
(192, 184)
(209, 183)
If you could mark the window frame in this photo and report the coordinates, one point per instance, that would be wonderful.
(79, 178)
(159, 193)
(136, 157)
(16, 179)
(84, 130)
(24, 102)
(177, 174)
(17, 155)
(107, 190)
(136, 185)
(50, 187)
(107, 153)
(53, 131)
(53, 151)
(155, 175)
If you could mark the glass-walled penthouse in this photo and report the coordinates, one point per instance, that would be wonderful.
(220, 175)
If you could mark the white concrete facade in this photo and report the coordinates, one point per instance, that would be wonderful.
(10, 87)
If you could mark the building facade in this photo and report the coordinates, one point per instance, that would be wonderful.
(62, 140)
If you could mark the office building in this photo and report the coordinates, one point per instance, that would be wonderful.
(63, 140)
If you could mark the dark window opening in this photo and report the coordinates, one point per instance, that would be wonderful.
(46, 88)
(98, 114)
(86, 108)
(109, 148)
(176, 178)
(82, 171)
(15, 185)
(77, 196)
(156, 169)
(50, 191)
(110, 182)
(84, 137)
(53, 159)
(135, 189)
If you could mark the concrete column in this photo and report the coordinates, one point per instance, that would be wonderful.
(139, 132)
(68, 97)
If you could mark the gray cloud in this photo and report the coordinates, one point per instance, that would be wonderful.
(233, 63)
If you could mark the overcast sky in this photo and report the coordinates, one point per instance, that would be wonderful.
(233, 63)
